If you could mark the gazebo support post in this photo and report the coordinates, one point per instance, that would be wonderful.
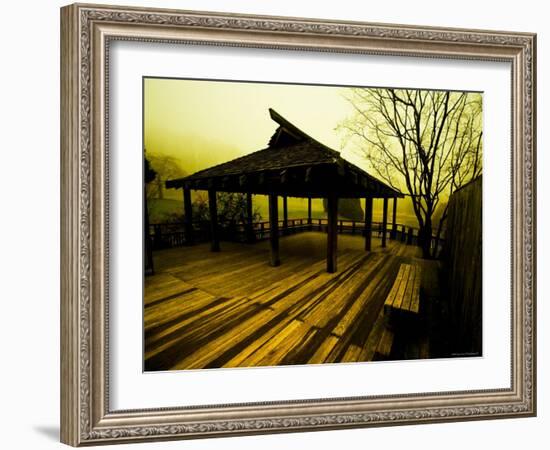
(188, 216)
(393, 234)
(214, 234)
(149, 269)
(274, 230)
(285, 215)
(384, 222)
(368, 224)
(332, 235)
(250, 236)
(309, 212)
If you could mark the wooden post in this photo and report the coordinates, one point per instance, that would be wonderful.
(410, 237)
(285, 216)
(393, 234)
(148, 263)
(157, 236)
(368, 223)
(214, 233)
(274, 230)
(309, 212)
(384, 221)
(250, 235)
(188, 216)
(332, 232)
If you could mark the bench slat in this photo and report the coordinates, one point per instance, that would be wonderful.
(405, 291)
(415, 305)
(407, 296)
(397, 303)
(393, 291)
(395, 286)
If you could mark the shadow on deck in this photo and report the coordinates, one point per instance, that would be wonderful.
(232, 309)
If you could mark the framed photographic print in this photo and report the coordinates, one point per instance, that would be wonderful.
(276, 224)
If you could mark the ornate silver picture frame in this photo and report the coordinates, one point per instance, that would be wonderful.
(87, 32)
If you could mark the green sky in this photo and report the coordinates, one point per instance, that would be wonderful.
(203, 123)
(208, 122)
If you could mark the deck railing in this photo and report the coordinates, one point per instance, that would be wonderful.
(167, 235)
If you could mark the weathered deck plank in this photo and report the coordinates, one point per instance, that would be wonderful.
(231, 309)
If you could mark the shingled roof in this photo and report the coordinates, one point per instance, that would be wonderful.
(293, 164)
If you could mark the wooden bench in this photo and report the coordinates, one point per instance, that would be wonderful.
(404, 296)
(402, 303)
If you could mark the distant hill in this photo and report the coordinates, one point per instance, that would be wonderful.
(164, 209)
(348, 208)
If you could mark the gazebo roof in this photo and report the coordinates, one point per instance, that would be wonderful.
(293, 164)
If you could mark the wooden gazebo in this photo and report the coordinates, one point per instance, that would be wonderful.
(293, 165)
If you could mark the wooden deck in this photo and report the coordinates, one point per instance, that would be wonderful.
(231, 309)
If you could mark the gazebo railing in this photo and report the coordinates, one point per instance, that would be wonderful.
(168, 235)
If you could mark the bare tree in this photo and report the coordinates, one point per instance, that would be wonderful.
(425, 143)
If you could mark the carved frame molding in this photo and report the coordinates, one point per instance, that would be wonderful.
(86, 31)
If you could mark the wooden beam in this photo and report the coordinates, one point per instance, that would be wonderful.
(284, 176)
(368, 224)
(214, 232)
(308, 176)
(332, 234)
(250, 236)
(188, 216)
(384, 221)
(341, 168)
(285, 215)
(393, 234)
(309, 210)
(274, 230)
